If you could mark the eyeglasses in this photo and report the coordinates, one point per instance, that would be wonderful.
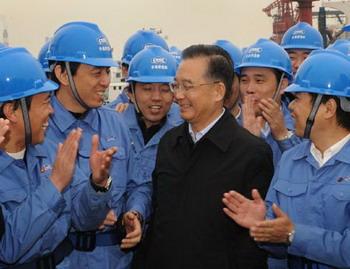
(186, 87)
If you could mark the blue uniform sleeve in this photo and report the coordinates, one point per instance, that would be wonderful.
(121, 98)
(321, 245)
(2, 225)
(288, 143)
(276, 250)
(89, 208)
(139, 192)
(27, 222)
(293, 140)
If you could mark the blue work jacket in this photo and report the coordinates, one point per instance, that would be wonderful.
(317, 199)
(145, 155)
(128, 192)
(37, 216)
(121, 98)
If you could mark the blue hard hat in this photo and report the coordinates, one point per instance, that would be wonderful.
(139, 41)
(176, 53)
(302, 36)
(2, 45)
(235, 52)
(341, 45)
(267, 54)
(42, 57)
(346, 28)
(21, 75)
(152, 65)
(323, 72)
(81, 42)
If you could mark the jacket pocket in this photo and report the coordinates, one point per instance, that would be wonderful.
(291, 196)
(290, 189)
(338, 197)
(341, 192)
(12, 198)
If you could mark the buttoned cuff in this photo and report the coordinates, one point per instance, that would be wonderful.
(98, 198)
(138, 209)
(303, 236)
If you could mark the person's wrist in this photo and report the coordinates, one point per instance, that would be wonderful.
(286, 134)
(290, 233)
(137, 215)
(57, 183)
(103, 186)
(290, 237)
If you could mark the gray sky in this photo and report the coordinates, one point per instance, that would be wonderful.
(185, 22)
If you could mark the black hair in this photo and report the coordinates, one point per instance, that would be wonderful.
(343, 117)
(16, 105)
(125, 65)
(278, 75)
(220, 64)
(131, 86)
(73, 68)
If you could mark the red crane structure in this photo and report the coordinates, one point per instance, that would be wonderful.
(285, 15)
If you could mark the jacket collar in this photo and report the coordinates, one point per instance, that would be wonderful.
(304, 152)
(5, 160)
(64, 119)
(221, 134)
(343, 154)
(172, 121)
(131, 119)
(38, 151)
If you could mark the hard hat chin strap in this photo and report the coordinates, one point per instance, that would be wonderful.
(276, 94)
(134, 94)
(74, 88)
(310, 120)
(26, 120)
(138, 110)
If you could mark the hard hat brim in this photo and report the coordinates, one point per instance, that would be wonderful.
(295, 88)
(48, 86)
(100, 62)
(247, 65)
(151, 79)
(301, 47)
(346, 28)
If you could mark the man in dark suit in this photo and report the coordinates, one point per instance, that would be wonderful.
(197, 162)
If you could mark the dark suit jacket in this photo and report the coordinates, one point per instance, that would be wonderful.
(189, 229)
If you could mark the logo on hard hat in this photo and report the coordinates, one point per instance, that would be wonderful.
(298, 34)
(103, 44)
(147, 45)
(159, 63)
(159, 60)
(175, 55)
(102, 41)
(253, 52)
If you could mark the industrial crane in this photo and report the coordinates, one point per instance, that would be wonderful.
(286, 15)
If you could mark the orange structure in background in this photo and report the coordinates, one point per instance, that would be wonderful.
(285, 15)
